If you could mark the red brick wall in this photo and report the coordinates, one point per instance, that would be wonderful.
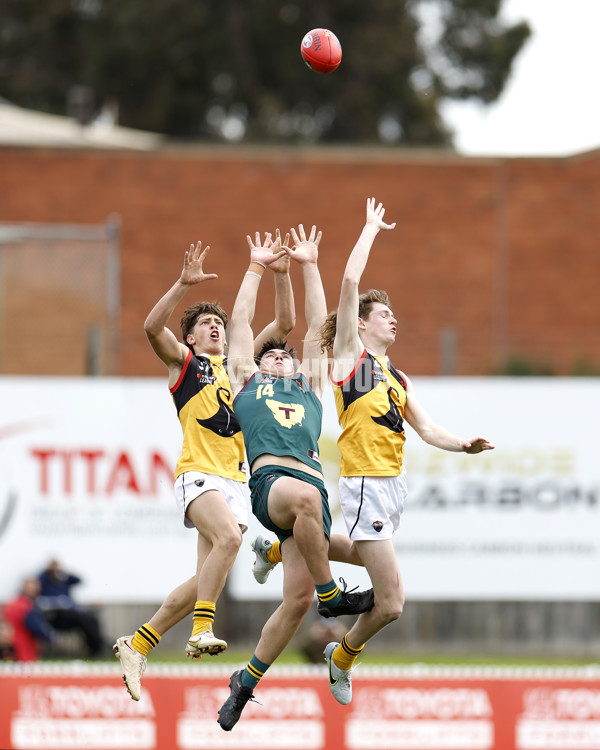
(506, 252)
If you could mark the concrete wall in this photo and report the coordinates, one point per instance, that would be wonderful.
(561, 630)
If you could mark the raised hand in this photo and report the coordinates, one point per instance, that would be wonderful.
(477, 445)
(283, 264)
(266, 252)
(305, 250)
(192, 272)
(375, 215)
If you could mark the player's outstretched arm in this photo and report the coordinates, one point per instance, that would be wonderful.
(285, 312)
(347, 346)
(435, 434)
(306, 253)
(240, 356)
(163, 341)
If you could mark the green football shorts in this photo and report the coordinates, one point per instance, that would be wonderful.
(261, 482)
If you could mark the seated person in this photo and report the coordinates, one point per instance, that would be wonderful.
(62, 611)
(30, 630)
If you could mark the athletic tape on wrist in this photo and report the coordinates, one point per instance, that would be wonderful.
(257, 268)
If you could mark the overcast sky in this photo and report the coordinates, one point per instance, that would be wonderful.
(551, 104)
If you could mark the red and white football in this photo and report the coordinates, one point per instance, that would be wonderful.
(321, 50)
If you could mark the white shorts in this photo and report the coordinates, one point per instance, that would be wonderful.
(192, 484)
(372, 506)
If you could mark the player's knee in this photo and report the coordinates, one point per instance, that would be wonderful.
(391, 610)
(229, 542)
(304, 601)
(396, 612)
(308, 501)
(300, 603)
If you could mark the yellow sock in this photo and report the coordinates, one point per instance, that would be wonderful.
(274, 552)
(344, 655)
(144, 639)
(204, 616)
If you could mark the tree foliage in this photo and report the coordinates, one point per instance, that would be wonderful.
(231, 69)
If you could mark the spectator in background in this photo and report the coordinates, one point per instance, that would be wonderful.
(62, 612)
(7, 649)
(30, 629)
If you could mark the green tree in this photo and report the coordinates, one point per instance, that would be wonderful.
(231, 69)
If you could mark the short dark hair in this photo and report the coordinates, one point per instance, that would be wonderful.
(192, 313)
(274, 343)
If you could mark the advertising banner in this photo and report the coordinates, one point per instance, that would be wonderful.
(415, 709)
(86, 476)
(520, 522)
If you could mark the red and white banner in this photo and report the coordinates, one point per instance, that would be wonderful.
(74, 708)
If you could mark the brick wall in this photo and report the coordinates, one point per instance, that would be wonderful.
(503, 255)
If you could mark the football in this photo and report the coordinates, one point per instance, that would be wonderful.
(321, 50)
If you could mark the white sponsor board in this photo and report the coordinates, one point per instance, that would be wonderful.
(86, 476)
(559, 719)
(291, 718)
(197, 734)
(78, 716)
(61, 734)
(441, 718)
(420, 735)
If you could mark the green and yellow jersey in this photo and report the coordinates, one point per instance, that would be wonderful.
(280, 416)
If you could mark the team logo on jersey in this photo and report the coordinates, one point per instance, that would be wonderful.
(223, 422)
(378, 373)
(392, 419)
(287, 415)
(377, 525)
(205, 373)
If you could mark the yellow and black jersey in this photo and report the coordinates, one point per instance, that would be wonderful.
(370, 405)
(212, 437)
